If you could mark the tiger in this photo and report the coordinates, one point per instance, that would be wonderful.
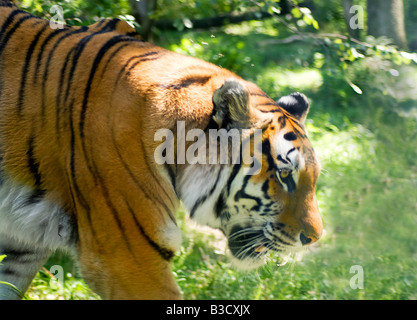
(79, 109)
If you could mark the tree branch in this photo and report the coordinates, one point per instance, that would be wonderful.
(218, 21)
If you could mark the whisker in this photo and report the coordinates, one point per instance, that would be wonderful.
(246, 232)
(254, 241)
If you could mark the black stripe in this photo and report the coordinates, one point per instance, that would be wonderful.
(156, 179)
(300, 133)
(290, 136)
(235, 170)
(63, 73)
(203, 198)
(7, 22)
(289, 181)
(110, 25)
(46, 41)
(220, 208)
(48, 64)
(137, 182)
(74, 188)
(282, 159)
(266, 104)
(115, 52)
(186, 82)
(166, 254)
(58, 108)
(270, 111)
(242, 194)
(76, 52)
(33, 164)
(110, 43)
(99, 23)
(75, 193)
(113, 210)
(290, 151)
(26, 68)
(9, 272)
(221, 201)
(266, 150)
(140, 61)
(36, 197)
(141, 57)
(131, 34)
(171, 176)
(6, 4)
(20, 257)
(283, 232)
(6, 36)
(79, 49)
(265, 189)
(282, 121)
(278, 239)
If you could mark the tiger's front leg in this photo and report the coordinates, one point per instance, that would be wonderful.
(117, 274)
(126, 261)
(20, 266)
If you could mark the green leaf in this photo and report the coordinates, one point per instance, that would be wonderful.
(187, 23)
(274, 10)
(409, 56)
(13, 287)
(296, 12)
(356, 54)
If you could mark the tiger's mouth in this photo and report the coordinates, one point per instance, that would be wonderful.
(250, 245)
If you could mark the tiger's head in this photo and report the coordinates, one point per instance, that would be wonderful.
(274, 208)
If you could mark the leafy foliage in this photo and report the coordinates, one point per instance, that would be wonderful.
(80, 12)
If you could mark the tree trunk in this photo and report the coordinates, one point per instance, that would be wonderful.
(142, 10)
(386, 18)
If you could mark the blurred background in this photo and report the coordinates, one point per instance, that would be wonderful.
(356, 61)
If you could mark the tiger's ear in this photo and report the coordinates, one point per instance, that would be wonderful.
(296, 104)
(231, 105)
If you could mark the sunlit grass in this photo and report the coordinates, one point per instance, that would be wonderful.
(47, 287)
(275, 79)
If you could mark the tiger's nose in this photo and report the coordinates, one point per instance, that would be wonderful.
(305, 239)
(308, 238)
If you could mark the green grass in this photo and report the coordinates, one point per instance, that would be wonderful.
(367, 191)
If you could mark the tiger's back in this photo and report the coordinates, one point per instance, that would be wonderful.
(79, 110)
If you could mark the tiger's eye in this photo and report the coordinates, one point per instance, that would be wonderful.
(285, 173)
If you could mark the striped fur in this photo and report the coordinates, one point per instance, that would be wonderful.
(79, 110)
